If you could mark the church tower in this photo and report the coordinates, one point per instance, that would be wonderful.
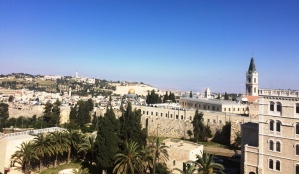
(252, 80)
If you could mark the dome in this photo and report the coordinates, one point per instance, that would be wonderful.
(131, 91)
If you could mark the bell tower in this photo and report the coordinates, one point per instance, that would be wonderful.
(252, 80)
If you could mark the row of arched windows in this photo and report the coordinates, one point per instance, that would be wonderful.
(275, 125)
(274, 165)
(277, 107)
(274, 146)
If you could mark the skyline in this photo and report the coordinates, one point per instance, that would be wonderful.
(172, 45)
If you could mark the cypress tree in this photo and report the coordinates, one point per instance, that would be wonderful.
(130, 126)
(106, 143)
(198, 125)
(4, 114)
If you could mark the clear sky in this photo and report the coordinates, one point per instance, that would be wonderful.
(170, 44)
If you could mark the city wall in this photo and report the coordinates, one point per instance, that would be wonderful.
(175, 123)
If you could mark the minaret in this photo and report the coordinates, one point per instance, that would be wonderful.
(252, 80)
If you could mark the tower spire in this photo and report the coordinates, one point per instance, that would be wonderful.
(251, 68)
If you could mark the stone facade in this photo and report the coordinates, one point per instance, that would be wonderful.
(213, 105)
(175, 123)
(278, 135)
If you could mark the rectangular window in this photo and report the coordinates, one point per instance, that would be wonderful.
(297, 108)
(143, 112)
(297, 149)
(224, 109)
(156, 113)
(152, 113)
(182, 117)
(161, 114)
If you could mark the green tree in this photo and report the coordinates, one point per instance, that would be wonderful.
(51, 115)
(226, 96)
(107, 141)
(42, 147)
(59, 143)
(153, 98)
(206, 133)
(129, 161)
(87, 146)
(146, 153)
(24, 155)
(238, 140)
(4, 114)
(198, 125)
(83, 113)
(130, 126)
(159, 152)
(166, 97)
(74, 139)
(189, 168)
(206, 164)
(189, 132)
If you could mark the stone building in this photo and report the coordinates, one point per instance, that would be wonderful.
(272, 145)
(213, 105)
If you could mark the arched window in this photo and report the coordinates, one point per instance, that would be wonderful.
(297, 128)
(271, 125)
(297, 168)
(271, 106)
(271, 144)
(297, 149)
(278, 107)
(278, 165)
(270, 164)
(278, 146)
(278, 126)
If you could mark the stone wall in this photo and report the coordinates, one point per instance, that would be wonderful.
(175, 123)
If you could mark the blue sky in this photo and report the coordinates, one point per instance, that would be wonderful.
(170, 44)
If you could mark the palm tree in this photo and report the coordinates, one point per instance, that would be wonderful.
(190, 168)
(74, 139)
(87, 146)
(42, 147)
(207, 166)
(146, 154)
(159, 152)
(128, 161)
(24, 155)
(59, 143)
